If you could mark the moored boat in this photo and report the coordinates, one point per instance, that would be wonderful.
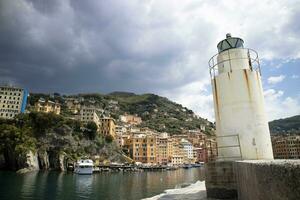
(84, 166)
(187, 166)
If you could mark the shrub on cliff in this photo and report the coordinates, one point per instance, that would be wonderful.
(41, 122)
(109, 138)
(15, 139)
(91, 130)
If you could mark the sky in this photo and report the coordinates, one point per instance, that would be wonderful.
(148, 46)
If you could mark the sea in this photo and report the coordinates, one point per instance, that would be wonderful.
(162, 185)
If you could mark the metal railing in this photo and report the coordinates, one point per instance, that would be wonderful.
(238, 145)
(252, 58)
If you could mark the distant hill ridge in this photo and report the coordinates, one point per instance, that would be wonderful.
(157, 113)
(290, 125)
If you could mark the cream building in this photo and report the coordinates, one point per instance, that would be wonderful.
(13, 101)
(73, 105)
(47, 106)
(89, 114)
(131, 119)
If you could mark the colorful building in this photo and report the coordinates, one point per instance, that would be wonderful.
(142, 148)
(162, 156)
(187, 149)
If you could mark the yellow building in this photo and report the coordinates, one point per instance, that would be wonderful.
(177, 154)
(47, 106)
(143, 148)
(12, 101)
(108, 126)
(164, 149)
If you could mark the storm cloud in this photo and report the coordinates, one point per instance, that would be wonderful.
(77, 46)
(73, 46)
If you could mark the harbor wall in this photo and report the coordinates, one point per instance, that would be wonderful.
(220, 180)
(253, 179)
(276, 179)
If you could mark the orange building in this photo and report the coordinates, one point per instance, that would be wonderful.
(142, 148)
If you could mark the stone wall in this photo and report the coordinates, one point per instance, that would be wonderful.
(260, 180)
(253, 179)
(220, 180)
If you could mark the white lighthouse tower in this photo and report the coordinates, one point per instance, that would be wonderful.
(241, 124)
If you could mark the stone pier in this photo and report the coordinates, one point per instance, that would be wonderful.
(253, 179)
(220, 180)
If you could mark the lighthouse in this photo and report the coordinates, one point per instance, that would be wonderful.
(241, 124)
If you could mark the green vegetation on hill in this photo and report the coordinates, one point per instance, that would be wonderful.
(290, 125)
(51, 133)
(157, 113)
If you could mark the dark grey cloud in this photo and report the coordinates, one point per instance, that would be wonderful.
(72, 46)
(77, 46)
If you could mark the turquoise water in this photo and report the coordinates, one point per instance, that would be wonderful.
(110, 186)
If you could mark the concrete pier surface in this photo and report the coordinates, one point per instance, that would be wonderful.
(268, 179)
(253, 179)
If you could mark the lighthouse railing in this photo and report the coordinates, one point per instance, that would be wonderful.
(236, 145)
(252, 58)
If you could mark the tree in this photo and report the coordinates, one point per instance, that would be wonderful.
(109, 138)
(91, 130)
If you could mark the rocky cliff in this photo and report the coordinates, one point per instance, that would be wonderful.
(40, 141)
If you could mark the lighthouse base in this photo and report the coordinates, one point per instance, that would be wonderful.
(220, 180)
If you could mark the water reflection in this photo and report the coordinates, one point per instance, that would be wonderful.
(83, 187)
(127, 185)
(28, 185)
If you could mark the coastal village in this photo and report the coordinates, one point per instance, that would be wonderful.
(140, 145)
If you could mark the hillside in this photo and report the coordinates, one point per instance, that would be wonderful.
(290, 125)
(158, 113)
(53, 140)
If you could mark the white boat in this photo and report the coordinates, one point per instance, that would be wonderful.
(84, 166)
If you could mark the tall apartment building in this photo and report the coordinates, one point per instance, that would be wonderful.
(143, 148)
(177, 154)
(108, 126)
(162, 146)
(188, 149)
(89, 114)
(47, 106)
(13, 101)
(286, 147)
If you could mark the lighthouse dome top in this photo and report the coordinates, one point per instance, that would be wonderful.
(230, 43)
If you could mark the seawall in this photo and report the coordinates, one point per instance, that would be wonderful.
(253, 179)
